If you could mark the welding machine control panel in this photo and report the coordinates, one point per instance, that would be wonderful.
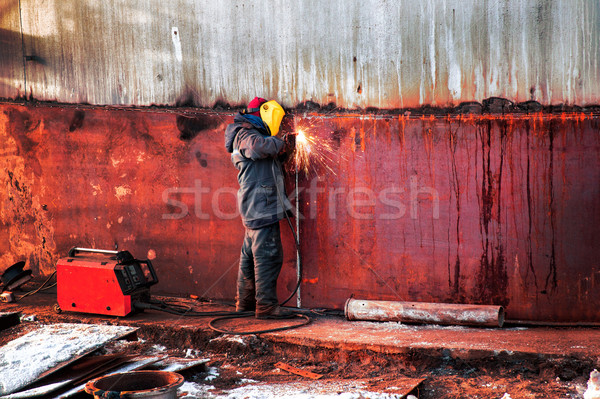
(134, 274)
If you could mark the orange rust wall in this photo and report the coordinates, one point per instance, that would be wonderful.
(516, 223)
(472, 209)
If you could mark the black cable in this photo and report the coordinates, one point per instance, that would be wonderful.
(190, 313)
(221, 315)
(40, 288)
(294, 233)
(306, 321)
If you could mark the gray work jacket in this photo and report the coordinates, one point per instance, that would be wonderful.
(261, 198)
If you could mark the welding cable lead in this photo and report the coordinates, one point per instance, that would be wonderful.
(141, 306)
(220, 316)
(294, 233)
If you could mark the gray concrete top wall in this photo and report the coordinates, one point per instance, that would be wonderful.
(369, 53)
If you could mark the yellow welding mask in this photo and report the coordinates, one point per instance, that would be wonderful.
(272, 113)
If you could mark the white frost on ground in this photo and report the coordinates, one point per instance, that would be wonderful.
(24, 359)
(213, 373)
(238, 339)
(156, 349)
(193, 390)
(593, 387)
(247, 381)
(293, 390)
(30, 318)
(192, 353)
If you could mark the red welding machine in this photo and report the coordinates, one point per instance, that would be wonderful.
(102, 281)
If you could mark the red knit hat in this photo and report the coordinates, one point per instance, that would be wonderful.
(254, 106)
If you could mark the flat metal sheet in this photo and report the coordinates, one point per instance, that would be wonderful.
(38, 391)
(176, 364)
(48, 349)
(297, 371)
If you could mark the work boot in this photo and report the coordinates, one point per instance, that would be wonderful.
(242, 307)
(276, 312)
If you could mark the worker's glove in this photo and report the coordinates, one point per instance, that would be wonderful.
(289, 143)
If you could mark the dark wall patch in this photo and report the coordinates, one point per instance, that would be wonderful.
(190, 126)
(200, 157)
(336, 137)
(77, 120)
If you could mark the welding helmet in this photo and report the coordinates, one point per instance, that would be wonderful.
(272, 113)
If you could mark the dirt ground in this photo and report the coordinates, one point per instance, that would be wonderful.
(252, 358)
(237, 361)
(246, 360)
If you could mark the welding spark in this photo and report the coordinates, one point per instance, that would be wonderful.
(312, 152)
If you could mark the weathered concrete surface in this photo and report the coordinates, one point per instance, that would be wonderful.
(387, 54)
(482, 209)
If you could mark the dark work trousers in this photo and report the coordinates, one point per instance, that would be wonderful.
(260, 264)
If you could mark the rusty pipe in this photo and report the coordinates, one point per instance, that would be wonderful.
(425, 313)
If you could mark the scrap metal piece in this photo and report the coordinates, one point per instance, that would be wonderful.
(178, 364)
(38, 391)
(15, 276)
(49, 348)
(7, 297)
(297, 371)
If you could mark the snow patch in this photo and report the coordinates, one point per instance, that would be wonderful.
(192, 353)
(238, 339)
(593, 387)
(213, 373)
(192, 390)
(158, 349)
(294, 390)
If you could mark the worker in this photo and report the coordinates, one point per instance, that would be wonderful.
(255, 142)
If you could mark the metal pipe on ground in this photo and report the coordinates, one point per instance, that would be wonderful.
(425, 313)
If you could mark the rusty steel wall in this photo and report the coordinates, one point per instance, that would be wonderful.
(483, 209)
(354, 54)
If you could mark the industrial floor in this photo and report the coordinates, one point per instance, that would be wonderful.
(337, 333)
(563, 356)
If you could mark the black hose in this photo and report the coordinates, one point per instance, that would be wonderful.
(294, 233)
(162, 306)
(189, 313)
(306, 320)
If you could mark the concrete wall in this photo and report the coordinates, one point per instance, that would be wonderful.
(387, 54)
(472, 208)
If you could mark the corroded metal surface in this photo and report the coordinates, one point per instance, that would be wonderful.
(426, 313)
(466, 209)
(463, 209)
(386, 54)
